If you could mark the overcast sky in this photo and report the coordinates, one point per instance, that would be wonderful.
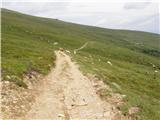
(140, 15)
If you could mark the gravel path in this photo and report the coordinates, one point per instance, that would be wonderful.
(69, 95)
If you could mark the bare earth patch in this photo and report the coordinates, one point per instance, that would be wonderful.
(15, 100)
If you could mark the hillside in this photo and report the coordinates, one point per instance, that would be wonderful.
(28, 44)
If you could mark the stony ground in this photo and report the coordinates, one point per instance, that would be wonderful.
(15, 100)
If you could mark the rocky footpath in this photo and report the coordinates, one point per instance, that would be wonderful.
(115, 99)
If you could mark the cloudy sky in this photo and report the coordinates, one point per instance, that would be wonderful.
(140, 15)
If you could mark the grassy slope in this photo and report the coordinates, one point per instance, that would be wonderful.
(28, 44)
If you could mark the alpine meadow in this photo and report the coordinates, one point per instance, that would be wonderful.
(127, 61)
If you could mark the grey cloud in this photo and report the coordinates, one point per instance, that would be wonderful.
(144, 19)
(136, 5)
(148, 23)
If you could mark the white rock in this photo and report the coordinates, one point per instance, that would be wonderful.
(75, 52)
(61, 115)
(116, 85)
(153, 65)
(124, 96)
(6, 82)
(67, 51)
(113, 107)
(55, 43)
(155, 71)
(8, 77)
(109, 62)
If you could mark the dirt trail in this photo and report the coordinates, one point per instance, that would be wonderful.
(69, 95)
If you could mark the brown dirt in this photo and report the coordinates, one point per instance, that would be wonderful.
(15, 100)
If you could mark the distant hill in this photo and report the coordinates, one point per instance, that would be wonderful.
(28, 43)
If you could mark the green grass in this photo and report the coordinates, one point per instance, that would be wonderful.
(28, 44)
